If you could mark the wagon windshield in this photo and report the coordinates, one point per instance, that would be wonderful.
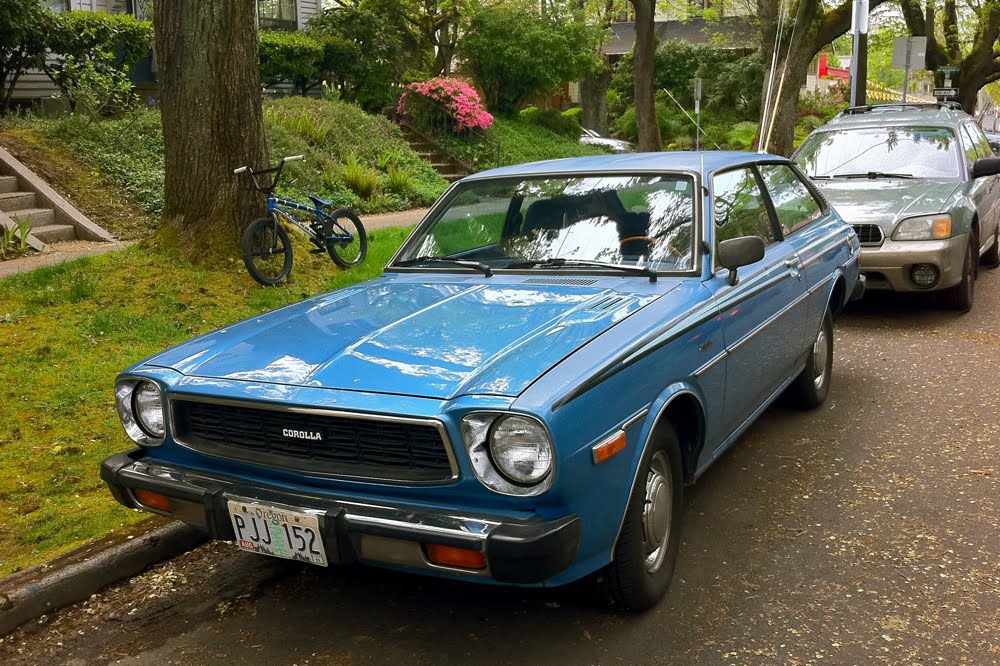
(920, 152)
(550, 222)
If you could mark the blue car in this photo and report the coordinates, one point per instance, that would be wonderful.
(549, 359)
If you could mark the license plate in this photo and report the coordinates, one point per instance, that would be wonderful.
(277, 531)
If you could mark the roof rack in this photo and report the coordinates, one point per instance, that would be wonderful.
(901, 106)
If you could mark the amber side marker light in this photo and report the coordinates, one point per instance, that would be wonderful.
(152, 500)
(449, 556)
(942, 226)
(608, 447)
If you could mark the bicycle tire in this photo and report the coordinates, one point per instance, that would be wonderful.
(346, 254)
(267, 251)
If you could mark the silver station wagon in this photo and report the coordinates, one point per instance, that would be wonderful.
(919, 184)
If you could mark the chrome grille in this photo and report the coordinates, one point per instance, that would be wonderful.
(868, 234)
(326, 444)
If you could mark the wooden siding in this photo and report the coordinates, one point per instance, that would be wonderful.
(306, 10)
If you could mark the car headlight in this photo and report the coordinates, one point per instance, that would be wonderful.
(140, 408)
(925, 227)
(521, 449)
(510, 453)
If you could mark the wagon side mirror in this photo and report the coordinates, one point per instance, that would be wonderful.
(737, 252)
(986, 166)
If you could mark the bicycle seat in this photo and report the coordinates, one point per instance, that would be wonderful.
(319, 202)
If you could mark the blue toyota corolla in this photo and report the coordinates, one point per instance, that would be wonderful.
(555, 352)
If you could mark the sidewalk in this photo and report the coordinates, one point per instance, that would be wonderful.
(404, 218)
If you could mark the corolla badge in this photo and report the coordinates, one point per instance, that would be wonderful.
(302, 434)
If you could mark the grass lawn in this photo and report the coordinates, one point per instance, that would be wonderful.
(67, 331)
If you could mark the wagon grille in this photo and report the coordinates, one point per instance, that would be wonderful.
(868, 234)
(334, 445)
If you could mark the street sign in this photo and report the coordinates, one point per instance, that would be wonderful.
(909, 52)
(946, 92)
(948, 70)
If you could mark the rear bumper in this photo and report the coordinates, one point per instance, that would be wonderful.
(517, 552)
(888, 266)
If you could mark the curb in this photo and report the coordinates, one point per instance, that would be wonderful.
(76, 575)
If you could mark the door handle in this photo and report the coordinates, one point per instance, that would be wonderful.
(794, 267)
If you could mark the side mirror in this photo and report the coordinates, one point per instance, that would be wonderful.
(986, 166)
(742, 251)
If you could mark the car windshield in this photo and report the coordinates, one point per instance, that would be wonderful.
(642, 221)
(919, 152)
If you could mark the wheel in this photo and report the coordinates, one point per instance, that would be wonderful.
(961, 295)
(345, 252)
(992, 257)
(267, 251)
(646, 552)
(810, 388)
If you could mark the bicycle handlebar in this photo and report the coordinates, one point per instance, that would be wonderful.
(240, 170)
(290, 158)
(293, 158)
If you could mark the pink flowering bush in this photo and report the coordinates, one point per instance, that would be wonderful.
(451, 97)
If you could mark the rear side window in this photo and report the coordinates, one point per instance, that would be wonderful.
(739, 208)
(794, 204)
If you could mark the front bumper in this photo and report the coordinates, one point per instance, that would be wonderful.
(888, 266)
(519, 552)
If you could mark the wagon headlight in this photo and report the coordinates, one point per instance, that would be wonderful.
(510, 453)
(140, 408)
(925, 227)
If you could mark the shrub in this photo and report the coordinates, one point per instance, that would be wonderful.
(290, 57)
(97, 92)
(112, 44)
(576, 113)
(741, 135)
(23, 28)
(552, 120)
(399, 180)
(513, 51)
(451, 97)
(361, 180)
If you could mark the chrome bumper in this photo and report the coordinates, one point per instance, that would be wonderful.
(526, 552)
(888, 266)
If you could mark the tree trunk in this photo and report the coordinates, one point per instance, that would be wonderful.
(594, 99)
(212, 121)
(645, 101)
(779, 134)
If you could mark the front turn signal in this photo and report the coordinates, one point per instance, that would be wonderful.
(152, 500)
(449, 556)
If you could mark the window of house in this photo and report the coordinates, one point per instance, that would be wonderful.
(794, 204)
(277, 15)
(58, 5)
(739, 208)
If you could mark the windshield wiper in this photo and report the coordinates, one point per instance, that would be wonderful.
(465, 263)
(558, 262)
(873, 175)
(815, 177)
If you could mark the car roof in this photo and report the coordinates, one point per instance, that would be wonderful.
(703, 161)
(878, 115)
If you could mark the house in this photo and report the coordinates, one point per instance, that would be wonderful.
(271, 15)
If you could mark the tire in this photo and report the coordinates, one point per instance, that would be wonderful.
(810, 388)
(646, 552)
(960, 296)
(992, 257)
(346, 254)
(267, 251)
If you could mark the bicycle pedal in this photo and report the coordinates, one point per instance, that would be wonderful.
(317, 251)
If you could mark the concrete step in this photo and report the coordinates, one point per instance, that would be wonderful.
(40, 217)
(54, 233)
(452, 177)
(8, 184)
(17, 200)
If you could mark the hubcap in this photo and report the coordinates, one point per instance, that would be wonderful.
(820, 352)
(657, 513)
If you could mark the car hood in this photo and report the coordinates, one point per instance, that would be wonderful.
(437, 340)
(886, 201)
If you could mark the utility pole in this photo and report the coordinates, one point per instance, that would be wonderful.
(859, 54)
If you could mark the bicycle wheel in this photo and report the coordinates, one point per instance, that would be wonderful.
(346, 240)
(267, 251)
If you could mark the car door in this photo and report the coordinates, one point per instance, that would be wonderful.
(763, 314)
(990, 213)
(979, 190)
(813, 231)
